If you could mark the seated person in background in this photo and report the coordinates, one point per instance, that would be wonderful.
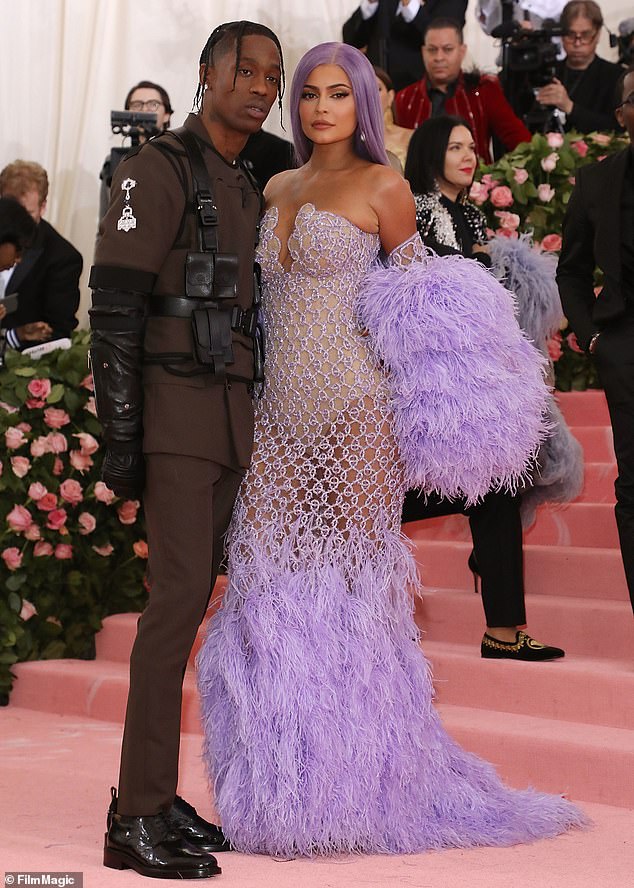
(585, 84)
(396, 137)
(47, 278)
(446, 89)
(149, 98)
(265, 155)
(440, 167)
(391, 33)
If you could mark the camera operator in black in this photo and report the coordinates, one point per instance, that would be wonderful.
(585, 83)
(178, 419)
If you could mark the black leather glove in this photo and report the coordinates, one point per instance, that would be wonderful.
(124, 473)
(116, 357)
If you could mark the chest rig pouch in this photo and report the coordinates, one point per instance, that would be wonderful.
(211, 281)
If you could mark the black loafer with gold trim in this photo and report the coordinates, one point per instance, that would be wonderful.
(523, 648)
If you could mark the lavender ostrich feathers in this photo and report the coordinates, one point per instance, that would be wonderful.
(320, 732)
(468, 389)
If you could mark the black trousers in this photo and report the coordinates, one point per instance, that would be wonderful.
(496, 530)
(188, 504)
(615, 363)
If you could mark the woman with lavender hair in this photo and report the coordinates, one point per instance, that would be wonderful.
(320, 732)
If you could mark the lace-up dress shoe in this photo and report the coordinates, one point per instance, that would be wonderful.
(150, 846)
(202, 835)
(523, 648)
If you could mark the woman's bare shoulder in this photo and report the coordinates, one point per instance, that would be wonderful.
(279, 186)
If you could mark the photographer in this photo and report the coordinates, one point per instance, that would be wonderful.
(145, 97)
(585, 83)
(529, 13)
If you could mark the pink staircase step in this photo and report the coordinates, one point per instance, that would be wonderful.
(581, 626)
(571, 689)
(560, 570)
(584, 408)
(597, 442)
(598, 484)
(589, 762)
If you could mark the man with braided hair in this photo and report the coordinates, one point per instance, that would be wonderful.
(175, 356)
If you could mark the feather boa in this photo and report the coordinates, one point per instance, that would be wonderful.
(467, 387)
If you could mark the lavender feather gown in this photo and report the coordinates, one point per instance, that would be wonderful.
(320, 731)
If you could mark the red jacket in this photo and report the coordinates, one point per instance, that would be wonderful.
(483, 105)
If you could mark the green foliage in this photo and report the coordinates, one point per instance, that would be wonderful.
(528, 190)
(70, 551)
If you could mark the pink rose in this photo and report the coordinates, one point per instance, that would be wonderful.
(488, 181)
(104, 551)
(19, 519)
(87, 443)
(12, 557)
(39, 447)
(63, 551)
(1, 467)
(554, 347)
(8, 408)
(478, 193)
(501, 196)
(24, 427)
(58, 466)
(87, 523)
(555, 140)
(56, 442)
(507, 232)
(41, 549)
(34, 403)
(37, 491)
(20, 465)
(103, 493)
(600, 138)
(127, 511)
(32, 533)
(601, 157)
(28, 610)
(572, 180)
(580, 147)
(71, 491)
(552, 243)
(90, 406)
(549, 163)
(510, 221)
(140, 549)
(39, 388)
(79, 460)
(520, 175)
(571, 339)
(87, 383)
(545, 192)
(47, 503)
(14, 438)
(56, 519)
(55, 418)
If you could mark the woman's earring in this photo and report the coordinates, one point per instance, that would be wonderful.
(436, 187)
(362, 136)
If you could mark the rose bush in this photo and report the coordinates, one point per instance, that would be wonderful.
(533, 184)
(70, 551)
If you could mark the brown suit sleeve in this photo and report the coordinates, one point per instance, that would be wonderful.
(157, 200)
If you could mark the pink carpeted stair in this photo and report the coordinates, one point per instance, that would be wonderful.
(565, 726)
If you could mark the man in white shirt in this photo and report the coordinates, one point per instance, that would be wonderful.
(529, 13)
(391, 33)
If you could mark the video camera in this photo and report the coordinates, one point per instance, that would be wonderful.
(133, 124)
(529, 61)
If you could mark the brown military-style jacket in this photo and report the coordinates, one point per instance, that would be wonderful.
(192, 416)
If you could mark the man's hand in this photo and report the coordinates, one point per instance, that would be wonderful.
(555, 93)
(34, 332)
(124, 473)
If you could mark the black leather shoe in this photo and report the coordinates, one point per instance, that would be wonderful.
(523, 648)
(150, 847)
(202, 835)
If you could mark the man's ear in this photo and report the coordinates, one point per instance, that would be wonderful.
(463, 52)
(205, 75)
(618, 113)
(43, 207)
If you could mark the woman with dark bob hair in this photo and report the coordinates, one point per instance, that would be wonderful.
(440, 167)
(320, 731)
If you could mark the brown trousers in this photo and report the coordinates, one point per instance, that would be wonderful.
(188, 504)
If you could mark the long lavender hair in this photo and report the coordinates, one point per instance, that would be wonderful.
(366, 98)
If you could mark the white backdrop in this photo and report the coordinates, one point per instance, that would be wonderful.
(64, 64)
